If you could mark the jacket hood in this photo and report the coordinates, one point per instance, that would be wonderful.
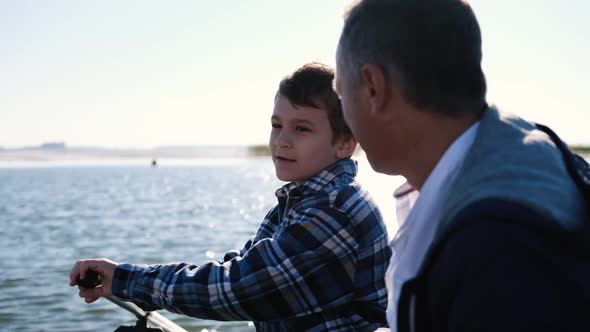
(512, 160)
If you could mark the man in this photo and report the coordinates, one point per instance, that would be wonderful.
(495, 236)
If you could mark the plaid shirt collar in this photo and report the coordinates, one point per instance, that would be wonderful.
(321, 180)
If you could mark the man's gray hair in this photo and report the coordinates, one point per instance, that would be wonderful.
(430, 48)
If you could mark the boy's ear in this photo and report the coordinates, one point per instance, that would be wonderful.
(345, 147)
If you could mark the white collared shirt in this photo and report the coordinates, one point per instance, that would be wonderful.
(418, 214)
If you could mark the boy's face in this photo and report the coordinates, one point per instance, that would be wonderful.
(301, 141)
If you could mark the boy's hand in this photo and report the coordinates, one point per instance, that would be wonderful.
(104, 267)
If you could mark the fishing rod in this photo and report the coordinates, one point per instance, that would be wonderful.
(159, 322)
(155, 319)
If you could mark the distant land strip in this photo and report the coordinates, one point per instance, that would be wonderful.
(57, 153)
(581, 149)
(52, 152)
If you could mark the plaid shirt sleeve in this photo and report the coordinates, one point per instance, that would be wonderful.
(306, 267)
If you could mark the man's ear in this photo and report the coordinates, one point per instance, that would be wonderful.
(376, 87)
(345, 147)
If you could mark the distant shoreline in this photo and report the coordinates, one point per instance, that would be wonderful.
(581, 150)
(78, 154)
(40, 155)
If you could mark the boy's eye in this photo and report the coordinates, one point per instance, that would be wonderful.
(276, 125)
(301, 129)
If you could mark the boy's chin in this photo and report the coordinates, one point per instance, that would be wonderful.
(287, 178)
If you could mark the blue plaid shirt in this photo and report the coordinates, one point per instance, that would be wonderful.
(317, 263)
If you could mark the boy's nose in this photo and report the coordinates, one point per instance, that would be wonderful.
(283, 145)
(283, 141)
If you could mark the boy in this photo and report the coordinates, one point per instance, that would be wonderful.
(319, 258)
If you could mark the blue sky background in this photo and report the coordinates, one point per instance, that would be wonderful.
(144, 73)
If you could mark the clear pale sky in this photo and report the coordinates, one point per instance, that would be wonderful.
(146, 73)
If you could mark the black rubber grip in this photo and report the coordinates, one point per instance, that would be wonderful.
(91, 280)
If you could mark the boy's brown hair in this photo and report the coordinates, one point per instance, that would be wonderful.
(311, 86)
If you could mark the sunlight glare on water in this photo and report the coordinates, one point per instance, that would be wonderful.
(54, 214)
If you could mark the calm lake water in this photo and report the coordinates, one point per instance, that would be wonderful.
(52, 215)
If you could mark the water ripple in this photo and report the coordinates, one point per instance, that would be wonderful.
(51, 217)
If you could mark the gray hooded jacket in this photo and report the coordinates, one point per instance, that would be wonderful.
(511, 249)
